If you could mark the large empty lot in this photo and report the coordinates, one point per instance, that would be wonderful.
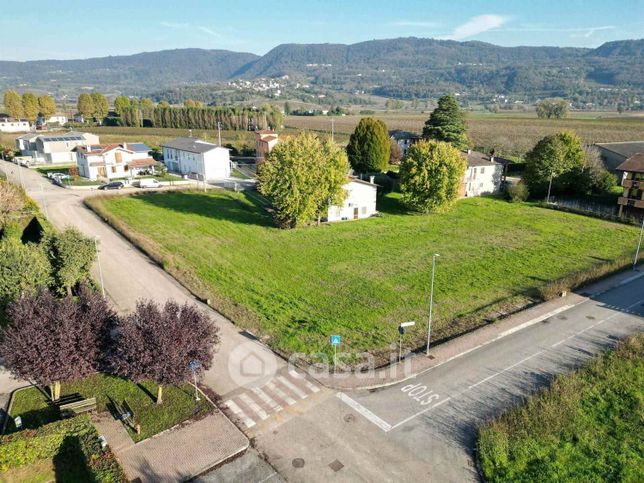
(361, 279)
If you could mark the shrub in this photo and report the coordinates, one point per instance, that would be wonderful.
(517, 192)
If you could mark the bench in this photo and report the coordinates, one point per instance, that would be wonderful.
(124, 413)
(75, 408)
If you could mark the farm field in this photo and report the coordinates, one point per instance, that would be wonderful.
(586, 426)
(361, 279)
(509, 134)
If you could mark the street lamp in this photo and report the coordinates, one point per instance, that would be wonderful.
(100, 269)
(639, 244)
(549, 188)
(431, 302)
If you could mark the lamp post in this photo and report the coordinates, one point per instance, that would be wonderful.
(431, 302)
(100, 269)
(639, 244)
(549, 188)
(194, 365)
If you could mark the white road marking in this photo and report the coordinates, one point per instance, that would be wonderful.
(253, 405)
(292, 387)
(281, 394)
(381, 423)
(240, 413)
(503, 370)
(296, 375)
(406, 420)
(266, 398)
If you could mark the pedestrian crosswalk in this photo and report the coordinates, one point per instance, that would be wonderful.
(259, 403)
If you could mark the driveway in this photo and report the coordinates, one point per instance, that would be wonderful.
(129, 275)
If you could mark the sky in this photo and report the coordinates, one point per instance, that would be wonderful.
(72, 29)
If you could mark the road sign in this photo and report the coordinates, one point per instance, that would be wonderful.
(194, 365)
(335, 340)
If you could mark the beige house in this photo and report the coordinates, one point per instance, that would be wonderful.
(114, 161)
(265, 141)
(632, 171)
(484, 175)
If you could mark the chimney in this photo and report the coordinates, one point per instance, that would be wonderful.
(469, 151)
(372, 179)
(492, 158)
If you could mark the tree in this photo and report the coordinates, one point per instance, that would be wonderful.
(72, 255)
(368, 147)
(553, 156)
(120, 104)
(46, 106)
(431, 175)
(30, 106)
(395, 153)
(552, 108)
(52, 340)
(146, 103)
(302, 176)
(158, 343)
(12, 202)
(164, 103)
(447, 123)
(85, 105)
(287, 108)
(13, 104)
(101, 106)
(24, 269)
(189, 103)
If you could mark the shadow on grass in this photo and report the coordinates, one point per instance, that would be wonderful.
(147, 392)
(70, 464)
(237, 208)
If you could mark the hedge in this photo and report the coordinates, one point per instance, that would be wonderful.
(28, 446)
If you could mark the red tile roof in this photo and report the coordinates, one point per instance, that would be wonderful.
(141, 163)
(633, 164)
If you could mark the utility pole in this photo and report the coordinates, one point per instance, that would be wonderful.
(639, 244)
(219, 131)
(431, 302)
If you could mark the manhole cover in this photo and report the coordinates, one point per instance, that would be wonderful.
(431, 357)
(547, 321)
(336, 465)
(590, 317)
(349, 418)
(298, 463)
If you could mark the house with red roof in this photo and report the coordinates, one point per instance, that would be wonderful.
(111, 161)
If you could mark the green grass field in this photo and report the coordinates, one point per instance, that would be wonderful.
(178, 403)
(587, 426)
(361, 279)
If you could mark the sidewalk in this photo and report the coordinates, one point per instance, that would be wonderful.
(418, 364)
(177, 454)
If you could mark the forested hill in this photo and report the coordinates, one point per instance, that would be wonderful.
(404, 68)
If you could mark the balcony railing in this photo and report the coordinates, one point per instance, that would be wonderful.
(633, 183)
(634, 202)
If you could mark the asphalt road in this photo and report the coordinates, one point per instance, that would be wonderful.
(424, 429)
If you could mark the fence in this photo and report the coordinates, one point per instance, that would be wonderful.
(596, 208)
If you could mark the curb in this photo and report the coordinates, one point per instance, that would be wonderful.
(329, 383)
(9, 405)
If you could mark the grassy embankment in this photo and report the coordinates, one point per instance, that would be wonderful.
(588, 426)
(361, 279)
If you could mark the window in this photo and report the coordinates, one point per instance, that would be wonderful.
(113, 169)
(482, 170)
(364, 210)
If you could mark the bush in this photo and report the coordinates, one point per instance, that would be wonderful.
(517, 192)
(28, 446)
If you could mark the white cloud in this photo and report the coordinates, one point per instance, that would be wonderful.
(477, 25)
(189, 26)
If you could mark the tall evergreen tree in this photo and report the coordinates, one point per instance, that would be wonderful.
(447, 123)
(369, 147)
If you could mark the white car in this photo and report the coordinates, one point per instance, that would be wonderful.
(149, 183)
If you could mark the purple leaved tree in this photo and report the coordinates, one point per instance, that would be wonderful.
(158, 343)
(52, 340)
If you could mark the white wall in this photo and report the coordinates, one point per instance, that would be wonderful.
(360, 196)
(14, 126)
(481, 180)
(215, 162)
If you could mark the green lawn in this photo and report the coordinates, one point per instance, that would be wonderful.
(361, 279)
(178, 403)
(587, 426)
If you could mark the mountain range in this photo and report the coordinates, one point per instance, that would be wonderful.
(399, 68)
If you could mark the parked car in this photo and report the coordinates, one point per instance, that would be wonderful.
(149, 183)
(114, 185)
(54, 174)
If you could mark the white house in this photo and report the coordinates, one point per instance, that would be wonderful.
(8, 124)
(60, 119)
(113, 161)
(53, 148)
(405, 139)
(197, 158)
(484, 174)
(360, 201)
